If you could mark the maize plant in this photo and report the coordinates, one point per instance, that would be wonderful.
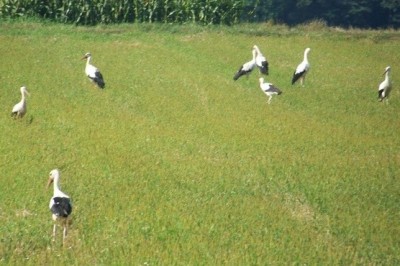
(92, 12)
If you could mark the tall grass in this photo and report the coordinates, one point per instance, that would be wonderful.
(175, 163)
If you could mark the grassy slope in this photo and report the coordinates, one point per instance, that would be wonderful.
(175, 163)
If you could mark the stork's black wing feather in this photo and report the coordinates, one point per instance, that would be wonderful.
(296, 76)
(62, 207)
(275, 89)
(98, 79)
(241, 72)
(264, 68)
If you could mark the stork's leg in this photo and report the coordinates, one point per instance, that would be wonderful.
(269, 99)
(65, 232)
(54, 231)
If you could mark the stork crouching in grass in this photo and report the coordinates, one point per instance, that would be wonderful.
(93, 73)
(60, 204)
(247, 67)
(302, 69)
(261, 61)
(19, 110)
(269, 89)
(385, 86)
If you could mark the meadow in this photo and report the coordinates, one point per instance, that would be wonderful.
(176, 163)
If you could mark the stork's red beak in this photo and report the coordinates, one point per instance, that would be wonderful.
(49, 182)
(83, 58)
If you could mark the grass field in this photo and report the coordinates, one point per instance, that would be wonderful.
(175, 163)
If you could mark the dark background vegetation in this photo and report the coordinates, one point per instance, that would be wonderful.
(343, 13)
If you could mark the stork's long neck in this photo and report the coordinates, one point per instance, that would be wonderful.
(88, 60)
(387, 76)
(22, 96)
(305, 56)
(56, 185)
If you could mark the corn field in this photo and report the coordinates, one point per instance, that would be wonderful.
(92, 12)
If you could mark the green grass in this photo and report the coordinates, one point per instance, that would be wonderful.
(175, 163)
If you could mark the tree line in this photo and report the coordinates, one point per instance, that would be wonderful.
(344, 13)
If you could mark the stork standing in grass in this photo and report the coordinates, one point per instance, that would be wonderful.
(60, 204)
(385, 86)
(261, 61)
(269, 89)
(93, 73)
(19, 110)
(302, 69)
(247, 67)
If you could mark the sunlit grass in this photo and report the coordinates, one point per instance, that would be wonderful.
(175, 163)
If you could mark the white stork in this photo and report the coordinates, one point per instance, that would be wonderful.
(60, 204)
(92, 72)
(261, 62)
(247, 67)
(269, 89)
(19, 110)
(385, 86)
(302, 69)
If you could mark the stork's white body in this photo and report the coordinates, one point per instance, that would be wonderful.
(19, 110)
(261, 61)
(269, 89)
(60, 204)
(385, 86)
(93, 73)
(247, 67)
(302, 69)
